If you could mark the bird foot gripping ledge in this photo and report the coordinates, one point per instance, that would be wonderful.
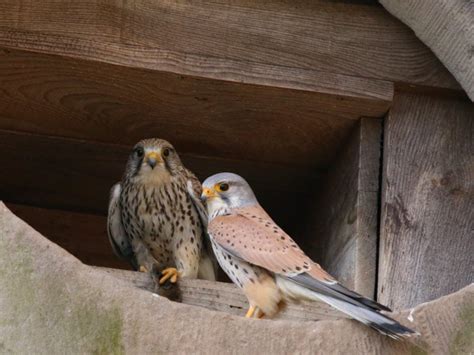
(224, 297)
(102, 310)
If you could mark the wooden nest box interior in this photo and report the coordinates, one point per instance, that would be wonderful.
(355, 137)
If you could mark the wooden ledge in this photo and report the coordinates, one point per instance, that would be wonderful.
(88, 310)
(226, 297)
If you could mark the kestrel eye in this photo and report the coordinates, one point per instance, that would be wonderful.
(224, 187)
(139, 152)
(166, 152)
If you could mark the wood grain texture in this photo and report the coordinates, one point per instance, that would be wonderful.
(342, 228)
(230, 40)
(74, 98)
(226, 297)
(83, 235)
(77, 175)
(427, 223)
(64, 290)
(447, 28)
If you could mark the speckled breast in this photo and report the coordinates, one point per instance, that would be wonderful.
(161, 216)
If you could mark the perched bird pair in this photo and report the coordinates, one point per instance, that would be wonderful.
(157, 217)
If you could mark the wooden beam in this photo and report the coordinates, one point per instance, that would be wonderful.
(243, 41)
(77, 175)
(447, 28)
(60, 96)
(427, 222)
(226, 297)
(342, 228)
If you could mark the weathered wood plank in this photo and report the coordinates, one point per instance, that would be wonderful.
(77, 175)
(230, 40)
(445, 26)
(88, 311)
(373, 94)
(342, 231)
(226, 297)
(83, 235)
(427, 223)
(53, 95)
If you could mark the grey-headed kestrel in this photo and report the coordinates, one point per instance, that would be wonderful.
(268, 265)
(152, 221)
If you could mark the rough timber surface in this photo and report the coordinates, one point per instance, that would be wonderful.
(226, 297)
(342, 233)
(427, 222)
(447, 28)
(59, 96)
(90, 311)
(243, 41)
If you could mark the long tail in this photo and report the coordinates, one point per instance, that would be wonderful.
(351, 303)
(372, 318)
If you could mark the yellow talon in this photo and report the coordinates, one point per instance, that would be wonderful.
(250, 312)
(143, 269)
(169, 273)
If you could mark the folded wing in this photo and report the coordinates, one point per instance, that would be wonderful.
(117, 237)
(251, 235)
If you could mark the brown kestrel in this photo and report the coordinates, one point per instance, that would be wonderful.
(268, 265)
(152, 221)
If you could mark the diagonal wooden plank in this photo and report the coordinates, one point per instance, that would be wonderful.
(447, 28)
(84, 235)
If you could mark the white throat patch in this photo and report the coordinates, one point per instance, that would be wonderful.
(216, 207)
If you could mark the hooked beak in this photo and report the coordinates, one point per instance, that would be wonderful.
(207, 194)
(153, 158)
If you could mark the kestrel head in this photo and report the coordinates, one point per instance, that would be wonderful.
(225, 191)
(153, 160)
